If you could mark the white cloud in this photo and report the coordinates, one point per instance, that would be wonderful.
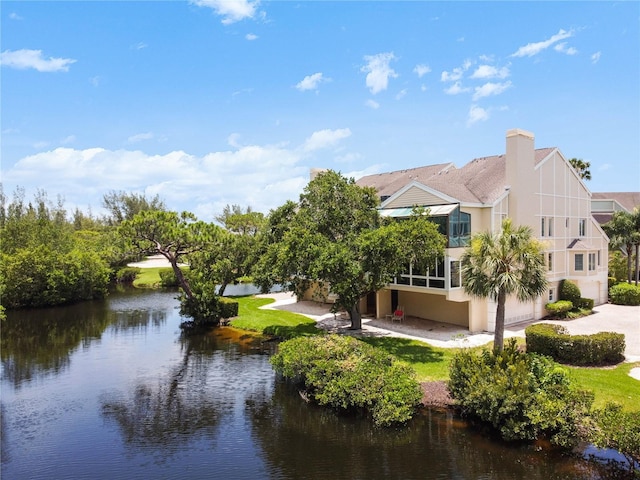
(456, 74)
(311, 82)
(325, 139)
(251, 36)
(15, 16)
(140, 137)
(378, 71)
(23, 59)
(531, 49)
(401, 94)
(263, 176)
(68, 140)
(456, 89)
(489, 71)
(595, 58)
(489, 89)
(95, 81)
(233, 140)
(372, 104)
(138, 46)
(231, 11)
(421, 70)
(562, 48)
(477, 114)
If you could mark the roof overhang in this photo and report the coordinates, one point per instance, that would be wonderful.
(431, 210)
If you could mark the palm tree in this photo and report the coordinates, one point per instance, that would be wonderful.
(497, 265)
(581, 167)
(624, 233)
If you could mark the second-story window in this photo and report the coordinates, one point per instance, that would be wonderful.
(550, 261)
(582, 227)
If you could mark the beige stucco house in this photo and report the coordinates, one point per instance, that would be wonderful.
(534, 187)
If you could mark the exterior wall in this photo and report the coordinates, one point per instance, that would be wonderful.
(434, 307)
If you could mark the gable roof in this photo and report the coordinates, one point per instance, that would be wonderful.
(482, 180)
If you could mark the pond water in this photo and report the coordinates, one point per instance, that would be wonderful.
(113, 390)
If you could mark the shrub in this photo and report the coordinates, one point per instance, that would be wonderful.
(611, 281)
(203, 307)
(228, 307)
(347, 374)
(127, 275)
(522, 396)
(618, 430)
(585, 303)
(559, 309)
(625, 294)
(604, 348)
(569, 291)
(168, 278)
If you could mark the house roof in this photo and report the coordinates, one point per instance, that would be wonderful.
(629, 200)
(482, 180)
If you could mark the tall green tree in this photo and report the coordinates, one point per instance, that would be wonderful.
(122, 205)
(335, 237)
(43, 260)
(581, 167)
(509, 262)
(170, 234)
(624, 233)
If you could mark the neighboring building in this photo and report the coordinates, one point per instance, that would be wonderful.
(605, 204)
(537, 188)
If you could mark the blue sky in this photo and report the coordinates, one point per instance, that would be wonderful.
(209, 103)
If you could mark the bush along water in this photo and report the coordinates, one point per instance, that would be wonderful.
(349, 375)
(522, 396)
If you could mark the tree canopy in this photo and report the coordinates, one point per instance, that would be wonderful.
(509, 262)
(581, 167)
(624, 233)
(334, 237)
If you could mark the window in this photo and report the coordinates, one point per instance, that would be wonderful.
(592, 262)
(455, 274)
(546, 226)
(551, 294)
(598, 257)
(550, 261)
(542, 229)
(550, 222)
(582, 227)
(579, 265)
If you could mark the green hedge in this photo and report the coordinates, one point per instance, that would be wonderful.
(228, 307)
(560, 308)
(585, 303)
(625, 294)
(603, 348)
(168, 278)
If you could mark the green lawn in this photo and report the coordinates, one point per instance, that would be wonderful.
(610, 384)
(271, 322)
(149, 277)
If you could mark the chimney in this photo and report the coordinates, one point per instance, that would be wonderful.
(520, 163)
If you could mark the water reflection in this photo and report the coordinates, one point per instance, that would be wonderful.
(189, 403)
(303, 441)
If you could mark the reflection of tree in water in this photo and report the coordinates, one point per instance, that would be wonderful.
(304, 441)
(40, 342)
(191, 401)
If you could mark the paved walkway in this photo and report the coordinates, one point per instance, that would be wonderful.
(607, 317)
